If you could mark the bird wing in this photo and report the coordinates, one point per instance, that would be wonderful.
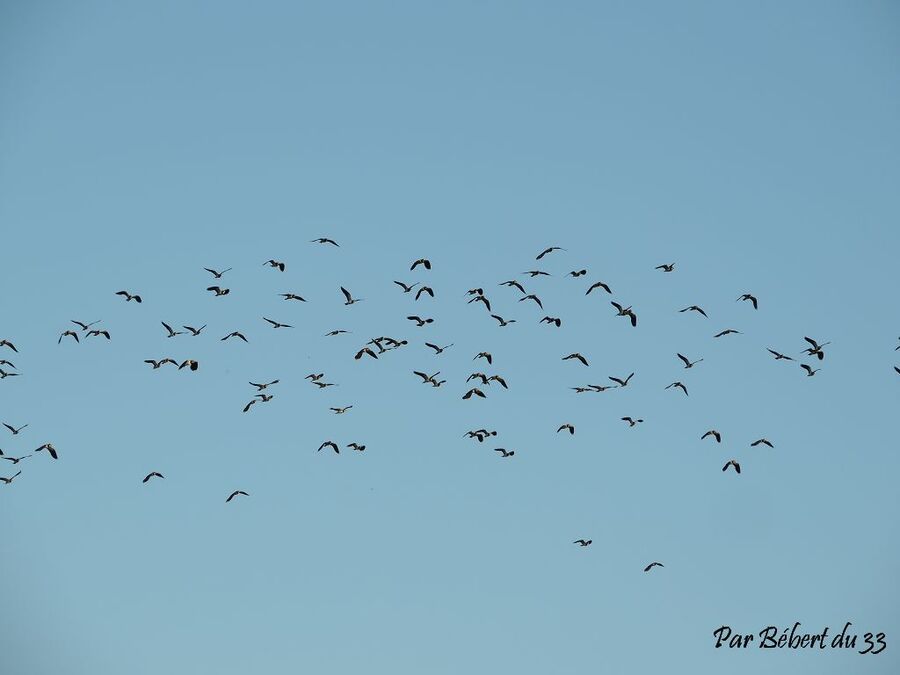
(346, 294)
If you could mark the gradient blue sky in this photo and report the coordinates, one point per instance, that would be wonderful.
(754, 144)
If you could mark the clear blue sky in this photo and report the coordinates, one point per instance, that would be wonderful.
(755, 146)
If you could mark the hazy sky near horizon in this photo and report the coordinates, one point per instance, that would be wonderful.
(756, 146)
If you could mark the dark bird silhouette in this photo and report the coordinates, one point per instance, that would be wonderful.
(620, 382)
(599, 387)
(276, 264)
(499, 380)
(504, 452)
(292, 296)
(170, 331)
(195, 331)
(49, 448)
(325, 240)
(625, 311)
(16, 460)
(762, 441)
(323, 385)
(536, 273)
(583, 542)
(478, 376)
(734, 463)
(312, 377)
(420, 321)
(13, 429)
(4, 362)
(218, 290)
(815, 349)
(727, 331)
(335, 332)
(687, 362)
(217, 275)
(84, 326)
(532, 296)
(503, 322)
(332, 445)
(161, 362)
(426, 379)
(424, 289)
(480, 434)
(598, 284)
(693, 308)
(70, 333)
(556, 321)
(666, 267)
(350, 299)
(513, 284)
(569, 427)
(746, 296)
(576, 355)
(438, 350)
(340, 411)
(715, 434)
(356, 446)
(236, 334)
(484, 355)
(129, 297)
(421, 261)
(261, 386)
(4, 374)
(678, 385)
(481, 299)
(154, 474)
(577, 273)
(98, 333)
(235, 494)
(189, 363)
(548, 250)
(406, 289)
(476, 391)
(251, 404)
(365, 351)
(276, 324)
(7, 343)
(475, 291)
(778, 356)
(10, 479)
(652, 565)
(631, 421)
(809, 370)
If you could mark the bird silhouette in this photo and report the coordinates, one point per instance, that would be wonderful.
(556, 321)
(678, 385)
(548, 250)
(195, 331)
(583, 542)
(153, 474)
(687, 362)
(235, 494)
(50, 449)
(815, 349)
(236, 334)
(70, 333)
(598, 284)
(484, 355)
(325, 240)
(218, 291)
(715, 434)
(576, 355)
(406, 289)
(666, 267)
(568, 427)
(9, 480)
(475, 391)
(747, 296)
(631, 421)
(424, 289)
(7, 343)
(217, 275)
(350, 299)
(621, 382)
(625, 311)
(421, 261)
(693, 308)
(129, 296)
(504, 452)
(292, 296)
(727, 331)
(734, 463)
(332, 445)
(652, 565)
(262, 386)
(438, 350)
(276, 324)
(171, 332)
(809, 370)
(761, 441)
(779, 356)
(503, 322)
(276, 264)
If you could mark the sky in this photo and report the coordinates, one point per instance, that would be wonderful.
(754, 145)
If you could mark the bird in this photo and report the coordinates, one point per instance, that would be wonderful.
(734, 463)
(189, 363)
(779, 356)
(195, 331)
(84, 326)
(581, 390)
(129, 296)
(10, 479)
(4, 374)
(341, 411)
(49, 448)
(98, 333)
(478, 376)
(438, 350)
(576, 355)
(536, 273)
(336, 332)
(330, 444)
(598, 284)
(161, 362)
(480, 434)
(727, 331)
(217, 275)
(715, 434)
(424, 289)
(577, 273)
(236, 334)
(815, 349)
(499, 380)
(324, 385)
(153, 474)
(652, 565)
(406, 289)
(421, 261)
(16, 460)
(4, 362)
(261, 386)
(809, 371)
(312, 377)
(325, 240)
(474, 391)
(350, 299)
(425, 377)
(475, 291)
(751, 298)
(552, 320)
(235, 494)
(567, 426)
(762, 441)
(172, 333)
(599, 387)
(548, 250)
(251, 404)
(693, 308)
(292, 296)
(276, 324)
(503, 322)
(484, 355)
(621, 382)
(631, 421)
(219, 291)
(7, 343)
(356, 446)
(504, 452)
(420, 321)
(513, 284)
(687, 362)
(666, 267)
(276, 264)
(483, 300)
(532, 296)
(364, 351)
(678, 385)
(583, 542)
(625, 311)
(70, 333)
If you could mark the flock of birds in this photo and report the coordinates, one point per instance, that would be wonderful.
(476, 382)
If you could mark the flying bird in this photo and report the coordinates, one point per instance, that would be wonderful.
(548, 250)
(49, 448)
(98, 333)
(235, 494)
(424, 289)
(129, 297)
(652, 565)
(172, 333)
(536, 273)
(499, 380)
(438, 350)
(16, 460)
(218, 290)
(532, 296)
(577, 273)
(70, 333)
(276, 324)
(11, 478)
(292, 296)
(503, 322)
(625, 311)
(513, 284)
(325, 240)
(598, 284)
(189, 363)
(483, 300)
(476, 391)
(420, 321)
(356, 446)
(715, 434)
(576, 355)
(350, 299)
(7, 343)
(762, 441)
(340, 411)
(217, 275)
(583, 542)
(687, 362)
(484, 355)
(620, 382)
(161, 362)
(425, 377)
(236, 334)
(421, 261)
(153, 474)
(332, 445)
(693, 308)
(4, 374)
(779, 356)
(734, 463)
(631, 421)
(746, 296)
(678, 385)
(13, 429)
(569, 427)
(261, 386)
(504, 452)
(666, 267)
(84, 326)
(552, 319)
(364, 351)
(335, 332)
(727, 331)
(810, 372)
(195, 331)
(276, 264)
(406, 289)
(815, 349)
